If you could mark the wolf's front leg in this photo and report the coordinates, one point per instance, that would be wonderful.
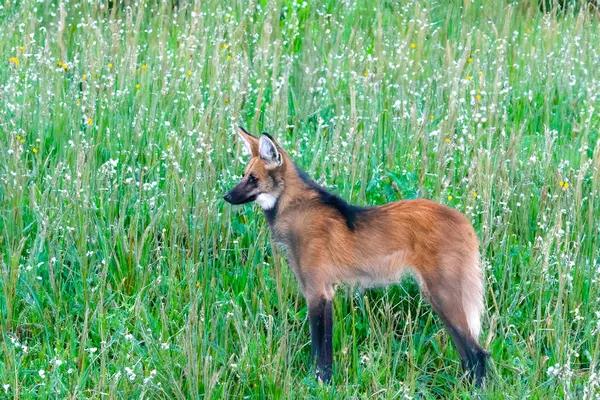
(320, 313)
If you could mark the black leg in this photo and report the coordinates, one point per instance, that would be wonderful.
(315, 315)
(321, 329)
(472, 355)
(479, 366)
(326, 354)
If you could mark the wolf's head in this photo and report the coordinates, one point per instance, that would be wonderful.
(263, 176)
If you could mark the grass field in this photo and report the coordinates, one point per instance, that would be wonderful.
(124, 274)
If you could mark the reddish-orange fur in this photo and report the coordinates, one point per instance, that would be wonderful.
(434, 242)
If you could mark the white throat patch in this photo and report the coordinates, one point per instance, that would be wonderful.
(266, 201)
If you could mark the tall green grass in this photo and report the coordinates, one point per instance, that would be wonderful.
(124, 275)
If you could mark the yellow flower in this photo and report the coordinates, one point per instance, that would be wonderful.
(189, 73)
(197, 285)
(412, 45)
(474, 194)
(527, 30)
(22, 141)
(228, 57)
(14, 60)
(34, 150)
(478, 97)
(137, 86)
(65, 67)
(449, 198)
(224, 45)
(226, 100)
(109, 65)
(366, 74)
(470, 59)
(468, 77)
(561, 183)
(144, 67)
(84, 76)
(18, 137)
(89, 121)
(21, 48)
(566, 186)
(431, 117)
(77, 100)
(60, 64)
(480, 73)
(447, 140)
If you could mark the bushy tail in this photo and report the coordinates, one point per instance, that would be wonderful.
(472, 295)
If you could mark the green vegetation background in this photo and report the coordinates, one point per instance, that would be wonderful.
(124, 275)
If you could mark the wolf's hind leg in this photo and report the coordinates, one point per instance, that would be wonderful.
(447, 301)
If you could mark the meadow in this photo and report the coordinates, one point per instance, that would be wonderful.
(123, 273)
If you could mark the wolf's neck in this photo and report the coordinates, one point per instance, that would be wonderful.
(350, 213)
(298, 188)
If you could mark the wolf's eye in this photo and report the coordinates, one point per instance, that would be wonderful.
(252, 178)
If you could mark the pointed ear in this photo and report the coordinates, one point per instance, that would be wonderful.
(268, 152)
(250, 142)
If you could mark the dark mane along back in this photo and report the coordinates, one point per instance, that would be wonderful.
(349, 212)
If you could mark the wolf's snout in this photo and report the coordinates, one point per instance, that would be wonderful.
(227, 197)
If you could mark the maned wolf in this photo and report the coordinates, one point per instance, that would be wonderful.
(328, 241)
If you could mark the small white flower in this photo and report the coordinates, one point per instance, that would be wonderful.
(42, 373)
(92, 350)
(130, 374)
(6, 386)
(150, 377)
